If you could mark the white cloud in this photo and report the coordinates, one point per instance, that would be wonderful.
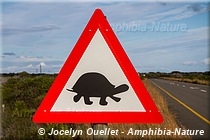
(34, 59)
(173, 51)
(29, 66)
(109, 1)
(42, 64)
(206, 61)
(195, 37)
(71, 18)
(149, 13)
(189, 62)
(33, 29)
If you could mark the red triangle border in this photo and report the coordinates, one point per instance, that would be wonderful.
(97, 21)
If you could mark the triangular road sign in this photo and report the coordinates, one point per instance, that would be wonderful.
(97, 83)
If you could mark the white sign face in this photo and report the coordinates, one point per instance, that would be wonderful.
(97, 62)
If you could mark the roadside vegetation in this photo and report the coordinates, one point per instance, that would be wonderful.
(22, 94)
(169, 119)
(190, 77)
(194, 81)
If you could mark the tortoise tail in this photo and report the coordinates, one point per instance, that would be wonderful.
(70, 90)
(121, 88)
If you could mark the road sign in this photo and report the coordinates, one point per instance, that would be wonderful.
(97, 83)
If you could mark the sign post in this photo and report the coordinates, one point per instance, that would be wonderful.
(100, 127)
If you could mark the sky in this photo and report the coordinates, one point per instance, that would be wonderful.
(158, 36)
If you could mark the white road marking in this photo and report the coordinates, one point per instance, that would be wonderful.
(183, 85)
(177, 84)
(171, 83)
(193, 87)
(203, 90)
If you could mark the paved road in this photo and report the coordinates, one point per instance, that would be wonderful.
(191, 105)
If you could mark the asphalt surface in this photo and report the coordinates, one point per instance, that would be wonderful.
(196, 97)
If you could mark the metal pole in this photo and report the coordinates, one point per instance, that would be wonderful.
(99, 127)
(40, 68)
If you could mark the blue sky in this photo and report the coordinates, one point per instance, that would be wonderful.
(157, 36)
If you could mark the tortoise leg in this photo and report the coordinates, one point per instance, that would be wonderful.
(103, 101)
(77, 98)
(87, 100)
(115, 98)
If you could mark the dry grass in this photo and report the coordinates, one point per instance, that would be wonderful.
(169, 119)
(195, 81)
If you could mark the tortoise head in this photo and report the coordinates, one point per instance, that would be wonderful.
(121, 88)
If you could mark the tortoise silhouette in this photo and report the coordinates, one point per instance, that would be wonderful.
(96, 85)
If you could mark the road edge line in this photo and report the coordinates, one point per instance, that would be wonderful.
(190, 109)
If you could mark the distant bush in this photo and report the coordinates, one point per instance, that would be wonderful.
(27, 90)
(193, 77)
(21, 96)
